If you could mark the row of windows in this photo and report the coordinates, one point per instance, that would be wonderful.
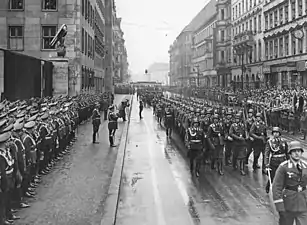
(204, 34)
(252, 24)
(88, 12)
(284, 46)
(16, 37)
(46, 5)
(87, 44)
(251, 56)
(281, 15)
(243, 7)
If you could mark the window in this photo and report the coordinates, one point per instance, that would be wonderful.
(236, 11)
(222, 14)
(281, 47)
(271, 20)
(222, 57)
(239, 9)
(293, 46)
(266, 21)
(287, 45)
(16, 4)
(281, 15)
(276, 48)
(250, 25)
(82, 40)
(222, 35)
(255, 23)
(83, 7)
(271, 49)
(48, 33)
(300, 46)
(243, 9)
(16, 40)
(250, 4)
(49, 4)
(85, 43)
(266, 50)
(293, 9)
(275, 18)
(300, 7)
(259, 23)
(259, 51)
(286, 13)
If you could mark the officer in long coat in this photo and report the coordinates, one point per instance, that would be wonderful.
(96, 122)
(289, 187)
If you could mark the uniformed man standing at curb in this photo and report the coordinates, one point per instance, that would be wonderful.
(96, 122)
(112, 125)
(289, 187)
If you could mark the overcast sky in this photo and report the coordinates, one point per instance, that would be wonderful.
(151, 26)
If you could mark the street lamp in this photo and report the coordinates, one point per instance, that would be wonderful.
(240, 52)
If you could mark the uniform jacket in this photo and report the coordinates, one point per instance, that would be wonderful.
(287, 175)
(275, 150)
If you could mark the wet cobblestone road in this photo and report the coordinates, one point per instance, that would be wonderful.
(158, 189)
(74, 192)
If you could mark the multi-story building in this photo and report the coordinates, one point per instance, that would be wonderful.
(222, 42)
(247, 45)
(29, 26)
(285, 43)
(120, 53)
(203, 48)
(181, 52)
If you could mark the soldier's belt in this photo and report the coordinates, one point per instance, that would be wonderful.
(9, 171)
(48, 138)
(297, 188)
(279, 155)
(195, 141)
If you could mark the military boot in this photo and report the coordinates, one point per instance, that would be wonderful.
(220, 168)
(242, 165)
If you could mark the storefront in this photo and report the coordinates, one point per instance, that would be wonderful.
(282, 75)
(301, 67)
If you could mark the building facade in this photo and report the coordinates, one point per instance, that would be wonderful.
(120, 53)
(203, 49)
(182, 71)
(29, 26)
(285, 43)
(247, 45)
(222, 42)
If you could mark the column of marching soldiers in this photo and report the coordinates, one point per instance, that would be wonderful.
(34, 135)
(219, 136)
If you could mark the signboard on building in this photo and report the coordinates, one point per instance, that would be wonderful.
(301, 66)
(266, 69)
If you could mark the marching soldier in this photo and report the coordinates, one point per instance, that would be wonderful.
(216, 143)
(274, 154)
(194, 143)
(259, 133)
(237, 132)
(96, 122)
(249, 122)
(169, 120)
(289, 187)
(112, 125)
(228, 139)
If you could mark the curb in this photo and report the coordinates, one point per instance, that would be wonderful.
(109, 217)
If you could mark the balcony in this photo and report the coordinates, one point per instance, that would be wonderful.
(222, 23)
(245, 38)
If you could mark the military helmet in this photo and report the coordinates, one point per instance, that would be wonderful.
(276, 129)
(215, 116)
(195, 120)
(258, 115)
(295, 145)
(238, 116)
(250, 111)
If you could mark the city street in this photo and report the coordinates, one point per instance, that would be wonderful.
(74, 191)
(158, 189)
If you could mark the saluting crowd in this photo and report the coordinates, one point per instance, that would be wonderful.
(34, 135)
(218, 135)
